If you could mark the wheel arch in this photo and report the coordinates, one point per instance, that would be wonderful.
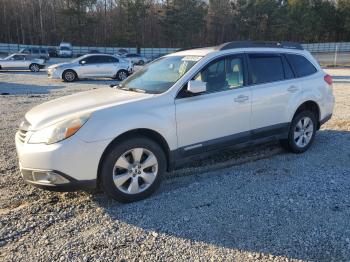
(69, 69)
(312, 106)
(145, 132)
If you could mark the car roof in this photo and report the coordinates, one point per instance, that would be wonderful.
(244, 46)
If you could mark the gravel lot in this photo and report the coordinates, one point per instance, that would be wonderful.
(260, 203)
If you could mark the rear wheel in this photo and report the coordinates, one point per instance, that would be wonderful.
(133, 169)
(301, 133)
(141, 62)
(122, 75)
(69, 76)
(34, 67)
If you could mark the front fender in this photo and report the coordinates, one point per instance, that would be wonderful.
(156, 114)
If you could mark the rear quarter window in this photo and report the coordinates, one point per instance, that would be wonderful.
(301, 65)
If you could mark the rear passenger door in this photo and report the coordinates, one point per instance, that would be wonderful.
(273, 88)
(108, 66)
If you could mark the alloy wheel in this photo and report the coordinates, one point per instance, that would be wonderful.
(122, 75)
(34, 68)
(135, 171)
(70, 76)
(303, 132)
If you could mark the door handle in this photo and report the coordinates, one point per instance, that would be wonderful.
(241, 99)
(292, 89)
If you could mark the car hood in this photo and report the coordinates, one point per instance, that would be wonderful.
(59, 109)
(59, 65)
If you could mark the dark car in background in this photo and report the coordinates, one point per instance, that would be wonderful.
(52, 52)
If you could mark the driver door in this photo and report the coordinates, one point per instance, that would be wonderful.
(90, 68)
(221, 115)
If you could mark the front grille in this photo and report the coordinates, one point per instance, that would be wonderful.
(22, 135)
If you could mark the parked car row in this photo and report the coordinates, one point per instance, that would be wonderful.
(87, 66)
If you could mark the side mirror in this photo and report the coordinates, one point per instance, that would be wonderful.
(196, 87)
(12, 58)
(83, 62)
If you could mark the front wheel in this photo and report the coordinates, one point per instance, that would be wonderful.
(69, 76)
(133, 169)
(34, 68)
(301, 133)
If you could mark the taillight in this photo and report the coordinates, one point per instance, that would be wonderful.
(328, 79)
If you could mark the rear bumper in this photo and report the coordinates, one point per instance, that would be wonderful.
(325, 119)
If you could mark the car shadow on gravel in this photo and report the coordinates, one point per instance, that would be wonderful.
(295, 206)
(25, 89)
(24, 72)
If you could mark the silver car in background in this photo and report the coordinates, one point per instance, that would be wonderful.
(136, 59)
(91, 66)
(22, 61)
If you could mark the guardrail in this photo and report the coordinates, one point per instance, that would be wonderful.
(327, 47)
(81, 50)
(156, 52)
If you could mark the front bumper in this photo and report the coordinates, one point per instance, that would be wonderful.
(69, 184)
(73, 159)
(54, 73)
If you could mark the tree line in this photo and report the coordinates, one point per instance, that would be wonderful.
(172, 23)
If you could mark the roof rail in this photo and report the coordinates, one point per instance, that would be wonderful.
(245, 44)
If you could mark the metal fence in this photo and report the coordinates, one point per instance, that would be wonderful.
(81, 50)
(156, 52)
(327, 47)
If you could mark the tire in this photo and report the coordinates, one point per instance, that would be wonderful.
(34, 67)
(141, 62)
(121, 75)
(302, 133)
(69, 76)
(135, 180)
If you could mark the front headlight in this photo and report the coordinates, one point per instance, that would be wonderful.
(58, 131)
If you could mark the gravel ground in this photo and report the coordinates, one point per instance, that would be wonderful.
(258, 204)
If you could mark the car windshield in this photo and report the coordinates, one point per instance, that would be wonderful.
(160, 75)
(8, 57)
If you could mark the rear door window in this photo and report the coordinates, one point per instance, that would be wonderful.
(112, 59)
(103, 59)
(301, 65)
(266, 68)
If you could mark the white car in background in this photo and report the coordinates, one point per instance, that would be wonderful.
(22, 61)
(65, 50)
(136, 59)
(91, 66)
